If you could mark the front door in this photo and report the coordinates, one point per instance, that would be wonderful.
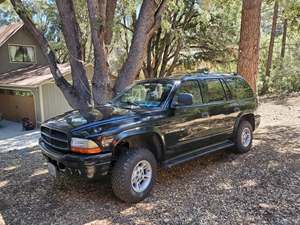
(188, 126)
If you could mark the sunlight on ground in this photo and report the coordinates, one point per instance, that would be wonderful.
(3, 184)
(28, 140)
(2, 222)
(10, 168)
(39, 172)
(249, 183)
(104, 222)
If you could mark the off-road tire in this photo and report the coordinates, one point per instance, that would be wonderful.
(239, 147)
(122, 172)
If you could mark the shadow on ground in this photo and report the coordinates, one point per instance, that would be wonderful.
(260, 187)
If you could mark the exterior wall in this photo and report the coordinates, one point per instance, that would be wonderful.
(53, 102)
(21, 37)
(37, 105)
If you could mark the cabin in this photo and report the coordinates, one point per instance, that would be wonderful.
(27, 88)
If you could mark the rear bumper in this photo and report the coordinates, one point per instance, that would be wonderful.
(89, 166)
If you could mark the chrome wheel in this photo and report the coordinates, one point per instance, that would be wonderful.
(141, 176)
(246, 137)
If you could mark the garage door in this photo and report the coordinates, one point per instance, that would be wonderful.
(16, 105)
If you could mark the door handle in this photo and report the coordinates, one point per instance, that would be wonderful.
(204, 114)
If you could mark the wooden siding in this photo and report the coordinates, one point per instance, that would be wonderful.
(53, 101)
(21, 37)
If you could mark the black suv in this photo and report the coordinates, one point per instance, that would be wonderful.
(159, 122)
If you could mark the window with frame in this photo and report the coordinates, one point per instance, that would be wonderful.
(239, 88)
(214, 90)
(18, 53)
(190, 87)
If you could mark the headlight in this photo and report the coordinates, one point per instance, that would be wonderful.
(84, 146)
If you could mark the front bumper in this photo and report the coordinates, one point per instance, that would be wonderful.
(89, 166)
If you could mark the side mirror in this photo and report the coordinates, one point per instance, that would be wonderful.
(184, 99)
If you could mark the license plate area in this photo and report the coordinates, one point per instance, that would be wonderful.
(52, 169)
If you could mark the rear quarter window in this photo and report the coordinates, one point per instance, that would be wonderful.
(239, 88)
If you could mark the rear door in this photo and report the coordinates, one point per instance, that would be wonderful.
(219, 109)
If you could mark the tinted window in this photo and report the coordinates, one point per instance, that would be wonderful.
(239, 88)
(190, 87)
(214, 90)
(227, 91)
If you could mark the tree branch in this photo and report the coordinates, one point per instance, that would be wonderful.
(148, 22)
(100, 82)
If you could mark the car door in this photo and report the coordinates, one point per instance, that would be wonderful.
(218, 109)
(188, 125)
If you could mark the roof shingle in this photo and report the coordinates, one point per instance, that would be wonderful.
(30, 76)
(8, 30)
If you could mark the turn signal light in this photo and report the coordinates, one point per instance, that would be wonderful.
(84, 146)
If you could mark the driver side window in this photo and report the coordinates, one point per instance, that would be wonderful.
(190, 87)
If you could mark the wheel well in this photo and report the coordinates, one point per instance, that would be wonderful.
(151, 141)
(250, 119)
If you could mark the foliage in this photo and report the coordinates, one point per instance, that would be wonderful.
(285, 72)
(194, 35)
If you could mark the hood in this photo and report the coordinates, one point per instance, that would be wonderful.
(77, 120)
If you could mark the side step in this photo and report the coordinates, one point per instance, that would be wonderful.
(196, 153)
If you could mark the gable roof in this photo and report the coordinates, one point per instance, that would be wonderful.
(9, 30)
(31, 76)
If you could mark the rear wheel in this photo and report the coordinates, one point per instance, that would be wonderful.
(244, 136)
(134, 174)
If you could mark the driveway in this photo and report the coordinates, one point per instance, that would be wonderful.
(12, 137)
(259, 187)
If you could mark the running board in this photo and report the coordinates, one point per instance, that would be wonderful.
(196, 153)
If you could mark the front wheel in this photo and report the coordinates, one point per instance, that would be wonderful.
(133, 175)
(244, 136)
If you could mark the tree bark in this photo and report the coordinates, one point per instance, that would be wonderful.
(72, 95)
(284, 34)
(71, 32)
(110, 14)
(148, 22)
(100, 81)
(249, 44)
(272, 39)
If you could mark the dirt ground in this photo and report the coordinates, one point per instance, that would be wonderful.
(259, 187)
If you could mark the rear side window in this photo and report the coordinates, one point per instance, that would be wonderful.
(213, 90)
(190, 87)
(239, 88)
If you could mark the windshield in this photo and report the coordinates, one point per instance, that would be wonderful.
(144, 94)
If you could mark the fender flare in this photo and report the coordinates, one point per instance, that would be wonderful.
(139, 131)
(237, 122)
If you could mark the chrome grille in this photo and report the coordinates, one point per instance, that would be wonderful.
(56, 139)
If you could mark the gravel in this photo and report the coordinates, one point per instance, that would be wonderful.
(259, 187)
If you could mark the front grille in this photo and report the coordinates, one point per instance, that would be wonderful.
(55, 139)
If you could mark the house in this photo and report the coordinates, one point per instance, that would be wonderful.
(27, 88)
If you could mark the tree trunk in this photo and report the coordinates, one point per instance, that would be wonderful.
(71, 33)
(272, 39)
(284, 34)
(249, 44)
(100, 81)
(148, 22)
